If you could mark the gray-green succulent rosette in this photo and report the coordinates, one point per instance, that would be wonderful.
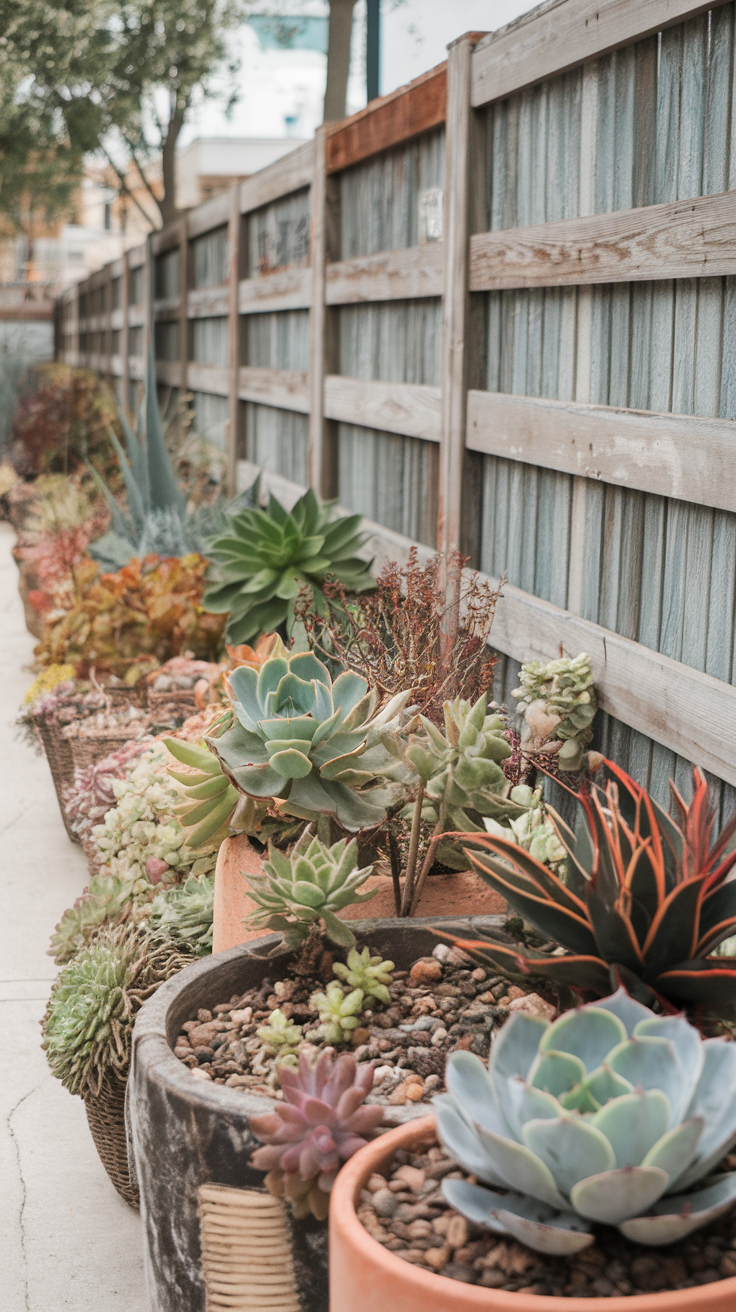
(314, 745)
(609, 1114)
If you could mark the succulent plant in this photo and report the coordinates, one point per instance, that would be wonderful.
(310, 884)
(186, 912)
(319, 1126)
(264, 558)
(534, 831)
(608, 1114)
(157, 521)
(371, 974)
(281, 1036)
(461, 768)
(309, 742)
(107, 900)
(646, 899)
(339, 1012)
(558, 703)
(94, 1001)
(210, 797)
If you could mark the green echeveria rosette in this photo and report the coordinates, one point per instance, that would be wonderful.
(265, 557)
(309, 742)
(609, 1114)
(311, 883)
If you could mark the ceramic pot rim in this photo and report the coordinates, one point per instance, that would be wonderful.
(346, 1229)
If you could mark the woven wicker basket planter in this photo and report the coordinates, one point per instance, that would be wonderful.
(87, 751)
(106, 1120)
(182, 699)
(61, 763)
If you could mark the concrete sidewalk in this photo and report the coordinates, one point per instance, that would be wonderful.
(67, 1240)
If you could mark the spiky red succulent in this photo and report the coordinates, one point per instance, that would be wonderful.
(646, 898)
(319, 1126)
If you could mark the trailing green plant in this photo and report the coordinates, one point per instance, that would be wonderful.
(305, 888)
(264, 558)
(320, 1124)
(558, 705)
(108, 900)
(646, 897)
(313, 744)
(372, 975)
(157, 521)
(609, 1114)
(339, 1012)
(185, 913)
(88, 1025)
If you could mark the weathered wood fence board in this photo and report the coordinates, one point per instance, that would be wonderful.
(497, 309)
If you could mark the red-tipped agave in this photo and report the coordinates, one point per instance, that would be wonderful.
(646, 900)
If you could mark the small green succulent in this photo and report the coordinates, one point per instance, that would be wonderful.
(88, 1025)
(533, 831)
(186, 913)
(307, 741)
(609, 1114)
(281, 1036)
(108, 900)
(558, 703)
(371, 974)
(310, 884)
(461, 769)
(339, 1012)
(263, 559)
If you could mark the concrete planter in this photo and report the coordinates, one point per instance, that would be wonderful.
(187, 1133)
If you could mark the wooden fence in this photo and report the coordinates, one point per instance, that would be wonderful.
(497, 309)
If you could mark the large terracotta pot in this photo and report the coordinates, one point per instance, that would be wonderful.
(460, 894)
(187, 1132)
(365, 1277)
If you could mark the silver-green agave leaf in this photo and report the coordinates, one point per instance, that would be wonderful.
(609, 1114)
(313, 744)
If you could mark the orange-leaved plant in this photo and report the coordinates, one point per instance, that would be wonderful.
(646, 900)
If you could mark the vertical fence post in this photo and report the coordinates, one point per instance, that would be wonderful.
(322, 457)
(233, 331)
(125, 335)
(107, 298)
(184, 305)
(455, 307)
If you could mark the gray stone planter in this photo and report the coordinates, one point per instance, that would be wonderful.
(187, 1132)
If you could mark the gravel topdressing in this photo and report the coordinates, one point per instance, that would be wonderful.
(443, 1003)
(404, 1209)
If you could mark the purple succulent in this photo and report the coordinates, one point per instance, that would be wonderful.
(319, 1125)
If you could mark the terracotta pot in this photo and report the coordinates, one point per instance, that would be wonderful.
(186, 1132)
(364, 1276)
(460, 894)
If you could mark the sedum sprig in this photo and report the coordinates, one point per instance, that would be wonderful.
(339, 1012)
(371, 974)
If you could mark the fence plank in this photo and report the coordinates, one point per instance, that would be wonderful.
(207, 378)
(321, 475)
(290, 173)
(234, 239)
(204, 302)
(681, 239)
(286, 389)
(289, 289)
(567, 34)
(682, 456)
(412, 409)
(389, 276)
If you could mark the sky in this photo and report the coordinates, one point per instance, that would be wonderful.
(281, 91)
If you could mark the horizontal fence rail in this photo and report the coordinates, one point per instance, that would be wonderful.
(495, 311)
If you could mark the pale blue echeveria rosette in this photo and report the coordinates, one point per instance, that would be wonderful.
(609, 1114)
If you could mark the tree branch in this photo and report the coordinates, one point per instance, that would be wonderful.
(144, 179)
(121, 179)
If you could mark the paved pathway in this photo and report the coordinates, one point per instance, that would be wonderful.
(67, 1240)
